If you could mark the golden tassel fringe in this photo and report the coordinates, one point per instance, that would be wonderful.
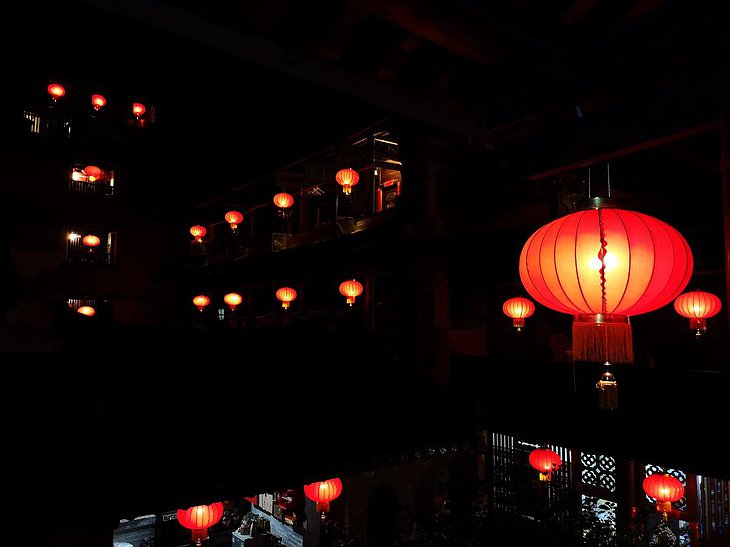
(600, 338)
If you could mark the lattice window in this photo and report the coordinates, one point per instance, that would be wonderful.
(598, 470)
(503, 495)
(681, 476)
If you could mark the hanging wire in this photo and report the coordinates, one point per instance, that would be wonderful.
(608, 178)
(589, 183)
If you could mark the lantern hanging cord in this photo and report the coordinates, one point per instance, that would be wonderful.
(608, 179)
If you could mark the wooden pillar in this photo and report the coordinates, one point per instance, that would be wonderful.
(725, 169)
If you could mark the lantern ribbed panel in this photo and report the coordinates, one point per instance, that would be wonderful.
(201, 516)
(697, 305)
(545, 460)
(648, 263)
(518, 308)
(283, 200)
(663, 487)
(323, 491)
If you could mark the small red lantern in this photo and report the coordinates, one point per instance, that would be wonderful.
(56, 91)
(518, 308)
(138, 109)
(697, 306)
(93, 173)
(283, 200)
(199, 518)
(91, 240)
(198, 232)
(545, 461)
(97, 101)
(234, 218)
(286, 295)
(322, 493)
(665, 489)
(201, 301)
(351, 289)
(88, 311)
(233, 299)
(347, 178)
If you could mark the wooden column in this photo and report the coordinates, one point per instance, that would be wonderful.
(725, 169)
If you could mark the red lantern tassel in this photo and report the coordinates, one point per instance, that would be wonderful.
(602, 337)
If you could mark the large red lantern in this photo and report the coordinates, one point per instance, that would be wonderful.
(233, 299)
(545, 461)
(199, 518)
(664, 489)
(283, 200)
(518, 308)
(347, 178)
(286, 295)
(91, 240)
(97, 101)
(350, 289)
(93, 173)
(697, 306)
(201, 301)
(56, 91)
(322, 493)
(198, 232)
(234, 218)
(88, 311)
(604, 265)
(138, 109)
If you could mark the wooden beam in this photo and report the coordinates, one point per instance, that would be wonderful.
(628, 150)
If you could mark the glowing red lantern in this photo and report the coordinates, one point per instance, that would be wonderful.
(201, 301)
(545, 461)
(286, 295)
(518, 308)
(283, 200)
(97, 101)
(322, 493)
(56, 91)
(199, 518)
(88, 311)
(351, 289)
(347, 178)
(198, 232)
(234, 218)
(138, 109)
(697, 306)
(233, 299)
(93, 173)
(665, 489)
(91, 240)
(604, 265)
